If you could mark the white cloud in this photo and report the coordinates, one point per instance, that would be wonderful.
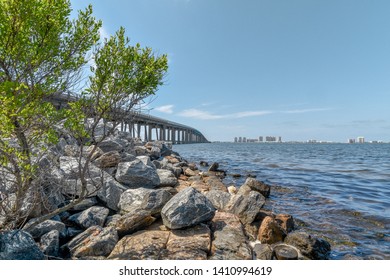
(200, 115)
(204, 115)
(300, 111)
(168, 109)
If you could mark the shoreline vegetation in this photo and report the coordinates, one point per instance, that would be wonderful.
(146, 202)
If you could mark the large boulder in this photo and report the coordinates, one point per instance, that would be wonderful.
(246, 207)
(133, 221)
(167, 178)
(111, 145)
(310, 246)
(108, 160)
(137, 174)
(189, 244)
(94, 216)
(50, 243)
(44, 227)
(94, 242)
(187, 208)
(144, 199)
(219, 199)
(230, 242)
(111, 192)
(19, 245)
(142, 245)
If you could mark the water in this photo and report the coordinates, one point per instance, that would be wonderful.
(340, 192)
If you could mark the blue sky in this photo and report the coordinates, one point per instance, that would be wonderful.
(302, 69)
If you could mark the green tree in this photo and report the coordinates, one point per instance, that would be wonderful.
(43, 52)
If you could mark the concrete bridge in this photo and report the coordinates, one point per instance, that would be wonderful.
(147, 127)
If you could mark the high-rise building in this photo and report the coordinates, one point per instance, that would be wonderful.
(235, 139)
(280, 139)
(261, 139)
(360, 139)
(240, 139)
(244, 139)
(351, 141)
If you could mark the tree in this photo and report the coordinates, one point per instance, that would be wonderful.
(43, 53)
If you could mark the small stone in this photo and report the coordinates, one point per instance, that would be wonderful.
(285, 221)
(263, 252)
(285, 252)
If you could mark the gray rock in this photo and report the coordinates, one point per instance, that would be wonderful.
(214, 167)
(246, 207)
(70, 167)
(93, 216)
(19, 245)
(111, 192)
(219, 199)
(258, 186)
(111, 145)
(310, 246)
(230, 242)
(44, 227)
(167, 178)
(144, 199)
(50, 243)
(85, 204)
(263, 252)
(187, 208)
(95, 241)
(137, 174)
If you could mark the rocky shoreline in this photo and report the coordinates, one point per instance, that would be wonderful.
(152, 204)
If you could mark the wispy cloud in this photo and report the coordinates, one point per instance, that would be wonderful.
(168, 109)
(301, 111)
(204, 115)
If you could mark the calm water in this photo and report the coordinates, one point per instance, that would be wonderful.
(339, 192)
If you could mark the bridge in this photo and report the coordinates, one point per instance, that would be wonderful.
(147, 127)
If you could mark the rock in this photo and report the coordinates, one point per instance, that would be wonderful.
(244, 190)
(285, 252)
(309, 246)
(229, 241)
(246, 207)
(263, 252)
(200, 186)
(111, 220)
(73, 231)
(189, 244)
(204, 163)
(155, 152)
(111, 192)
(95, 241)
(50, 243)
(110, 145)
(142, 245)
(70, 168)
(258, 186)
(85, 204)
(133, 221)
(94, 216)
(270, 231)
(215, 183)
(19, 245)
(167, 178)
(219, 199)
(214, 167)
(42, 228)
(140, 151)
(137, 174)
(286, 222)
(145, 199)
(101, 130)
(190, 173)
(172, 159)
(109, 159)
(187, 208)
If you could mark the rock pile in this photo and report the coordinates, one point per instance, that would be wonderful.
(147, 202)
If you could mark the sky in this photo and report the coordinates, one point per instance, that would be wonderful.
(302, 69)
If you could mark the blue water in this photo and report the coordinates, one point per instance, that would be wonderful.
(340, 192)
